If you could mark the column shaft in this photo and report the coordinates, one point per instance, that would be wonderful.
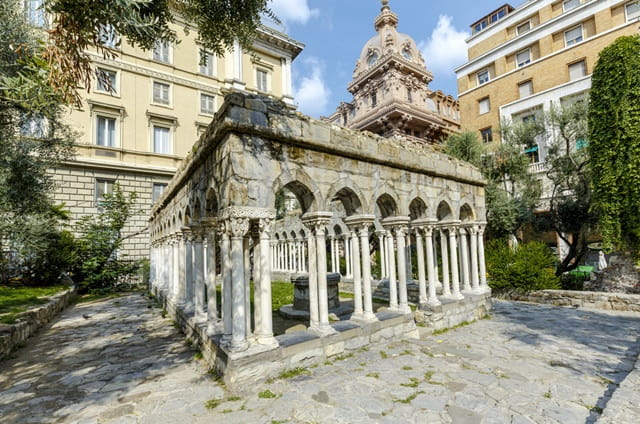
(393, 289)
(422, 283)
(357, 276)
(402, 271)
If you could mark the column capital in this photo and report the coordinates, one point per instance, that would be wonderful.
(317, 221)
(238, 227)
(397, 224)
(359, 222)
(187, 234)
(198, 232)
(265, 225)
(209, 224)
(425, 225)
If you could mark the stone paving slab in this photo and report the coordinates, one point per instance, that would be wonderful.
(120, 361)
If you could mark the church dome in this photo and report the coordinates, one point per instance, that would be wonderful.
(388, 41)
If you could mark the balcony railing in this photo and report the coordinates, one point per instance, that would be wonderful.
(538, 167)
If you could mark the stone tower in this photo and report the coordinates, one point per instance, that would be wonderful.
(390, 88)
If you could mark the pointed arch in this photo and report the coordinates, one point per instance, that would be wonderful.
(444, 212)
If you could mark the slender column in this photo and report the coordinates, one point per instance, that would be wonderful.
(348, 252)
(265, 332)
(323, 300)
(444, 251)
(257, 281)
(464, 251)
(303, 249)
(383, 259)
(239, 227)
(366, 273)
(475, 280)
(483, 268)
(212, 307)
(246, 254)
(188, 268)
(455, 279)
(435, 257)
(422, 283)
(433, 299)
(393, 289)
(181, 294)
(333, 253)
(409, 260)
(357, 276)
(403, 305)
(198, 273)
(314, 317)
(300, 256)
(225, 261)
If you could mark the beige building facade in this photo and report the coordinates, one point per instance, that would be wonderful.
(523, 60)
(146, 110)
(390, 88)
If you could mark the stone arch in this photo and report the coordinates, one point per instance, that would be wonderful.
(417, 209)
(302, 186)
(187, 217)
(197, 210)
(211, 203)
(444, 211)
(351, 201)
(386, 206)
(466, 213)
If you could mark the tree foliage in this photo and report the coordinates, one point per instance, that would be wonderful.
(79, 26)
(614, 143)
(465, 146)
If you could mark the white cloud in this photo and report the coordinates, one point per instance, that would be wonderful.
(446, 48)
(311, 91)
(293, 11)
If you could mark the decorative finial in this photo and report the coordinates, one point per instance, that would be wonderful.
(385, 4)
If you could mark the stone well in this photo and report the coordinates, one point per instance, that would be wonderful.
(300, 307)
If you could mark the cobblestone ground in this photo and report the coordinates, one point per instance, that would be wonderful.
(119, 361)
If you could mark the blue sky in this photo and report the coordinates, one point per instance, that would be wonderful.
(335, 31)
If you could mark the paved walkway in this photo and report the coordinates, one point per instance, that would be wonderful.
(120, 361)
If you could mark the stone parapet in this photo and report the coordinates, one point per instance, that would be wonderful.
(583, 299)
(14, 335)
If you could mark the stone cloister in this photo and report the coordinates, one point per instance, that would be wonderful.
(216, 226)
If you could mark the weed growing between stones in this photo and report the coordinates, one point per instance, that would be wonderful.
(343, 357)
(328, 363)
(409, 398)
(294, 372)
(383, 354)
(407, 368)
(413, 382)
(197, 356)
(213, 403)
(373, 375)
(267, 394)
(406, 352)
(444, 330)
(547, 394)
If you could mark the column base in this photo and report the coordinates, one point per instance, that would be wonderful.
(405, 309)
(322, 330)
(268, 341)
(364, 317)
(431, 303)
(238, 345)
(458, 296)
(214, 327)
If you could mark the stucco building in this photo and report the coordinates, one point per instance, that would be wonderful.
(390, 88)
(523, 60)
(146, 110)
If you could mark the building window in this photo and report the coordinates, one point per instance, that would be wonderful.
(480, 26)
(498, 15)
(573, 36)
(570, 4)
(161, 93)
(532, 153)
(633, 10)
(108, 37)
(207, 63)
(577, 70)
(483, 105)
(35, 12)
(523, 27)
(158, 190)
(487, 135)
(161, 140)
(103, 187)
(523, 58)
(106, 81)
(162, 51)
(409, 95)
(525, 89)
(483, 76)
(105, 131)
(261, 80)
(531, 118)
(207, 104)
(374, 100)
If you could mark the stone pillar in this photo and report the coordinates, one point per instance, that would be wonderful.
(464, 252)
(181, 293)
(238, 228)
(408, 258)
(393, 289)
(433, 299)
(198, 272)
(304, 255)
(212, 307)
(318, 221)
(484, 287)
(349, 255)
(332, 243)
(382, 256)
(366, 271)
(188, 268)
(422, 283)
(403, 304)
(264, 333)
(246, 254)
(358, 311)
(455, 279)
(475, 280)
(444, 251)
(227, 302)
(314, 318)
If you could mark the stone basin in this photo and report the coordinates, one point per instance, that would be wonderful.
(300, 307)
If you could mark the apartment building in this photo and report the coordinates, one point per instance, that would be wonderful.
(523, 60)
(147, 108)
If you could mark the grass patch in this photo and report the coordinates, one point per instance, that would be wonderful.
(407, 368)
(197, 356)
(406, 352)
(343, 357)
(604, 381)
(547, 394)
(227, 411)
(373, 375)
(346, 295)
(444, 330)
(383, 354)
(92, 297)
(267, 394)
(294, 372)
(15, 300)
(413, 382)
(409, 398)
(597, 410)
(213, 403)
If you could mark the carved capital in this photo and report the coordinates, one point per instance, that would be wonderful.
(238, 226)
(265, 225)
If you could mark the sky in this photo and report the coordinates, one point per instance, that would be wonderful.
(334, 32)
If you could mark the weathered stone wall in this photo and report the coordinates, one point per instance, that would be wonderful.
(14, 335)
(584, 299)
(621, 276)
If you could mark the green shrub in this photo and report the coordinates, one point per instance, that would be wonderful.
(528, 267)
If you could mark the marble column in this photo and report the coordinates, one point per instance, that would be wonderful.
(422, 283)
(475, 280)
(198, 273)
(246, 255)
(382, 256)
(212, 306)
(444, 252)
(349, 255)
(455, 279)
(238, 228)
(393, 288)
(314, 318)
(332, 244)
(366, 271)
(431, 270)
(188, 268)
(227, 302)
(481, 260)
(358, 310)
(464, 252)
(265, 332)
(403, 301)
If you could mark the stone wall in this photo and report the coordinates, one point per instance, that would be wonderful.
(14, 335)
(621, 276)
(583, 299)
